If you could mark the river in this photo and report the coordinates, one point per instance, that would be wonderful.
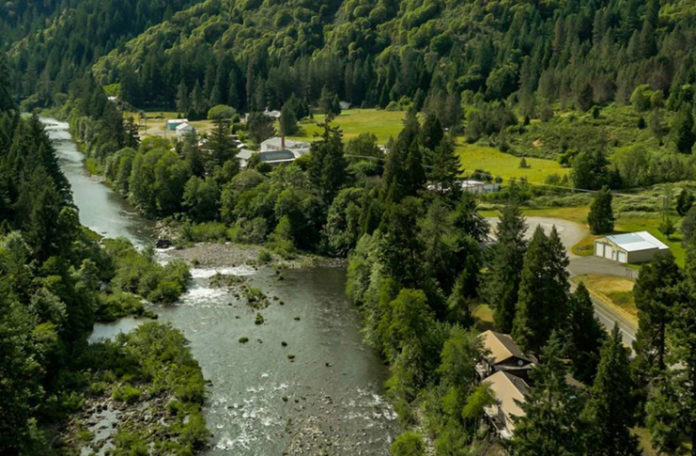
(304, 383)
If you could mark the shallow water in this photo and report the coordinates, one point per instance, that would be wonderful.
(327, 398)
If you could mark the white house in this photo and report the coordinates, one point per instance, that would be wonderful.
(271, 157)
(629, 248)
(298, 148)
(173, 123)
(184, 129)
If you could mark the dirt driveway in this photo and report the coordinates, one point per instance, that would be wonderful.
(570, 232)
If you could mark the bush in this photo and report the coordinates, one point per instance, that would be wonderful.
(126, 393)
(208, 231)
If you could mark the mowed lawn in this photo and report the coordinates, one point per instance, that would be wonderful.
(504, 165)
(353, 122)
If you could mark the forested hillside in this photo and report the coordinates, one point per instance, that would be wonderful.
(53, 42)
(257, 53)
(56, 280)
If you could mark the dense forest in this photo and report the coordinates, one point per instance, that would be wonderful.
(418, 251)
(257, 53)
(56, 280)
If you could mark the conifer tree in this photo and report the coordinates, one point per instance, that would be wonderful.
(601, 217)
(543, 291)
(221, 145)
(551, 424)
(446, 168)
(656, 292)
(609, 408)
(503, 282)
(672, 404)
(431, 132)
(327, 166)
(584, 335)
(288, 119)
(684, 135)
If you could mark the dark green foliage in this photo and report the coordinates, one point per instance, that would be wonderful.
(446, 169)
(590, 170)
(543, 293)
(329, 103)
(408, 444)
(260, 127)
(288, 119)
(551, 425)
(221, 146)
(584, 335)
(601, 216)
(685, 202)
(656, 294)
(503, 281)
(327, 167)
(610, 406)
(688, 226)
(684, 136)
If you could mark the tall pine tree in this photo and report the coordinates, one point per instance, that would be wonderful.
(551, 424)
(609, 408)
(503, 282)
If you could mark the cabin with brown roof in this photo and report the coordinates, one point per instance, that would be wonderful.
(503, 354)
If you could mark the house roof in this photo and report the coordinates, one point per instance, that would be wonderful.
(501, 347)
(185, 126)
(177, 121)
(635, 242)
(277, 143)
(509, 391)
(276, 156)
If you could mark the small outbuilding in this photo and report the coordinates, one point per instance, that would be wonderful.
(172, 124)
(185, 129)
(638, 247)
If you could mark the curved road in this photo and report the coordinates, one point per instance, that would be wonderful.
(571, 233)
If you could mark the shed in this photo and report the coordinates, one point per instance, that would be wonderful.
(637, 247)
(173, 123)
(185, 129)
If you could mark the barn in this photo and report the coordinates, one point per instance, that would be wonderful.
(637, 247)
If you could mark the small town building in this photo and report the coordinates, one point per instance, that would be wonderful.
(638, 247)
(185, 129)
(272, 114)
(271, 157)
(173, 123)
(503, 355)
(298, 148)
(509, 391)
(476, 186)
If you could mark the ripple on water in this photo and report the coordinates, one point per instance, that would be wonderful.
(207, 273)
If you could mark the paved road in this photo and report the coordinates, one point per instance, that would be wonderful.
(571, 233)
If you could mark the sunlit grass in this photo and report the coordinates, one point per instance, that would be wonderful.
(506, 166)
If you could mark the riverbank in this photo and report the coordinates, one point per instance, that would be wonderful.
(304, 383)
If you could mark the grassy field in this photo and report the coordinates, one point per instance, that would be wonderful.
(617, 291)
(156, 124)
(353, 122)
(504, 165)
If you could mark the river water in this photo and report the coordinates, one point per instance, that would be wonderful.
(304, 384)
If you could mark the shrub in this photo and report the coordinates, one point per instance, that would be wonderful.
(208, 231)
(126, 393)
